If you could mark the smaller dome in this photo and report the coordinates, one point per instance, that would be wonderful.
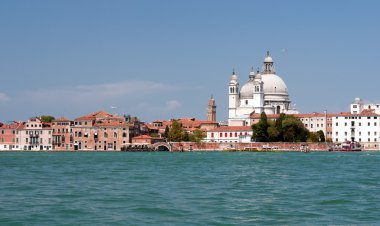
(268, 59)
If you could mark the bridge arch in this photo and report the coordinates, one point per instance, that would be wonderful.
(162, 146)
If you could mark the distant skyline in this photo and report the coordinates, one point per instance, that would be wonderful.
(164, 59)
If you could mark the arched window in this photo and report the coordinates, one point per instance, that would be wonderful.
(278, 111)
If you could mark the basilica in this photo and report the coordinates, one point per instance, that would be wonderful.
(264, 91)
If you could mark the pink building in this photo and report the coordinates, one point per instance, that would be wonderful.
(10, 136)
(100, 131)
(62, 134)
(36, 136)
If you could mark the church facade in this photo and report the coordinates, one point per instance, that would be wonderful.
(264, 91)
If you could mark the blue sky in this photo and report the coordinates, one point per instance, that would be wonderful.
(164, 59)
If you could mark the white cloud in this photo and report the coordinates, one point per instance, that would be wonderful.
(100, 92)
(4, 97)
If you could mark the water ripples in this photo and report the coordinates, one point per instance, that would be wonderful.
(213, 188)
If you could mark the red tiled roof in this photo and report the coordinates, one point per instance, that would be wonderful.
(143, 137)
(61, 119)
(98, 115)
(231, 129)
(14, 125)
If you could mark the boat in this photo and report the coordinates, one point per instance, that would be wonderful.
(346, 146)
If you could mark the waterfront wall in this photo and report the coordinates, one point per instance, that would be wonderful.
(191, 146)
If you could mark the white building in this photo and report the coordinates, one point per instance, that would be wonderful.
(36, 136)
(363, 128)
(359, 105)
(263, 92)
(230, 134)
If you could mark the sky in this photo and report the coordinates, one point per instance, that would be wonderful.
(164, 59)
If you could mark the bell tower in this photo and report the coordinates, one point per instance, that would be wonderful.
(233, 95)
(211, 110)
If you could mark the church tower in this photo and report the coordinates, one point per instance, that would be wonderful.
(233, 96)
(258, 94)
(211, 110)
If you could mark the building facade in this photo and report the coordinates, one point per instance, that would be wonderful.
(36, 136)
(229, 134)
(264, 91)
(100, 131)
(10, 136)
(363, 127)
(62, 134)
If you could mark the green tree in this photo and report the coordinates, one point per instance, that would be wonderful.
(273, 133)
(166, 133)
(260, 130)
(185, 136)
(293, 130)
(47, 118)
(279, 128)
(176, 132)
(197, 136)
(321, 136)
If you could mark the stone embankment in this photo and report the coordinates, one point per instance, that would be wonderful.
(192, 146)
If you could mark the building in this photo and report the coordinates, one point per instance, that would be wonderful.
(36, 136)
(188, 124)
(62, 134)
(100, 131)
(264, 91)
(230, 134)
(10, 136)
(211, 110)
(363, 127)
(359, 105)
(145, 139)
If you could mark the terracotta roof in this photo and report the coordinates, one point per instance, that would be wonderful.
(364, 113)
(231, 129)
(143, 137)
(14, 125)
(61, 119)
(98, 115)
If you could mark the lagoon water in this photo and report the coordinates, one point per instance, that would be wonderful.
(197, 188)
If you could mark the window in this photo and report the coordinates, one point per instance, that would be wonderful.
(369, 124)
(246, 102)
(360, 124)
(345, 124)
(369, 139)
(369, 133)
(221, 134)
(230, 134)
(345, 133)
(212, 135)
(235, 134)
(336, 124)
(360, 139)
(336, 133)
(105, 135)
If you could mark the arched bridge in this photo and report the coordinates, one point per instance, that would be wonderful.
(162, 146)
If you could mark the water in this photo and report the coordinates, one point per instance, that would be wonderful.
(214, 188)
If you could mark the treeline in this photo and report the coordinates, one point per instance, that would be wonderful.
(286, 128)
(177, 134)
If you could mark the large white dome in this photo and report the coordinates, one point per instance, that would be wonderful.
(273, 84)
